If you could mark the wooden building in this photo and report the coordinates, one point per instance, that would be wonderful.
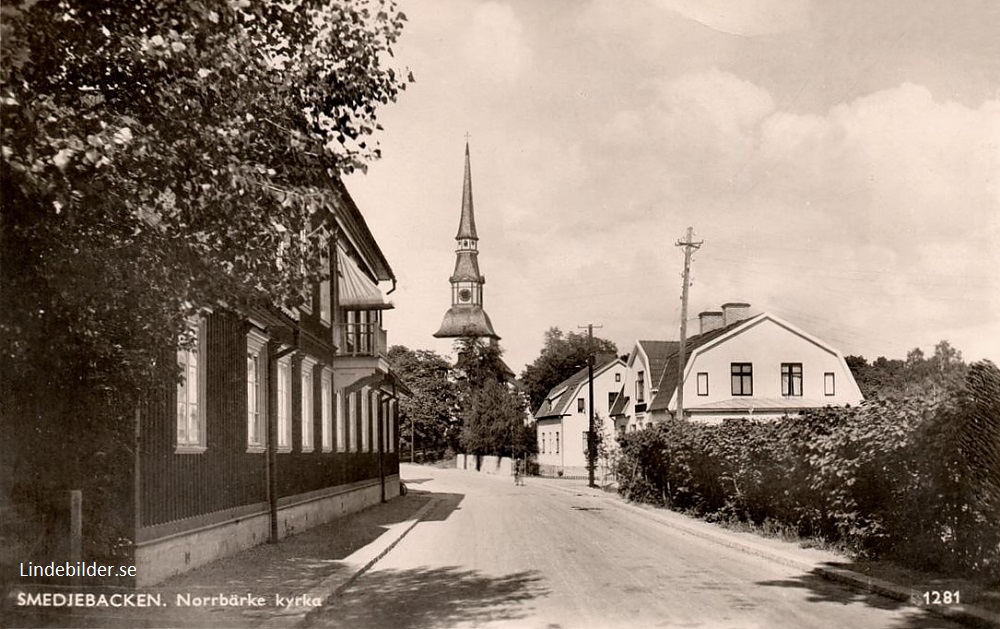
(284, 420)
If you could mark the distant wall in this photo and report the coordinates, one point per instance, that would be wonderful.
(498, 466)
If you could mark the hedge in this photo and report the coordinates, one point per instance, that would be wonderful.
(914, 480)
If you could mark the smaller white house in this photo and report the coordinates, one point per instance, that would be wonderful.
(563, 419)
(644, 368)
(753, 366)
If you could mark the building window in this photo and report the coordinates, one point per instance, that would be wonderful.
(640, 387)
(791, 379)
(702, 383)
(284, 405)
(376, 415)
(324, 294)
(256, 392)
(366, 421)
(542, 442)
(618, 377)
(308, 412)
(742, 374)
(557, 442)
(581, 406)
(611, 400)
(326, 400)
(341, 423)
(191, 393)
(829, 384)
(393, 413)
(352, 421)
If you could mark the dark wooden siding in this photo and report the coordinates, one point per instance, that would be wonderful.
(177, 486)
(225, 476)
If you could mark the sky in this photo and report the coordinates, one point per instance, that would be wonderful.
(840, 162)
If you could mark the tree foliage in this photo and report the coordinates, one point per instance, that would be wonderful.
(430, 412)
(157, 158)
(562, 355)
(493, 409)
(942, 372)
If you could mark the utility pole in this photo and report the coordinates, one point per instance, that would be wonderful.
(689, 247)
(591, 437)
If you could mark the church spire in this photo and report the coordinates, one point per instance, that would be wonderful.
(466, 317)
(467, 224)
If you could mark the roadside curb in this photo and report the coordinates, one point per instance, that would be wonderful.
(360, 562)
(966, 614)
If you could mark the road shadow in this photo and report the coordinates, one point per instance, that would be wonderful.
(446, 504)
(425, 598)
(824, 590)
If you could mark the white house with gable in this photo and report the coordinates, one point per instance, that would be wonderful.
(563, 419)
(753, 366)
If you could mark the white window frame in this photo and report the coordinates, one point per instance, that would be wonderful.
(193, 418)
(307, 408)
(341, 414)
(702, 383)
(376, 414)
(392, 425)
(829, 383)
(257, 412)
(325, 300)
(365, 420)
(284, 406)
(326, 399)
(352, 420)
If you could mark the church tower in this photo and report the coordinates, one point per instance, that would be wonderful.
(466, 317)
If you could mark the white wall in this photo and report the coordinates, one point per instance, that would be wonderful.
(766, 345)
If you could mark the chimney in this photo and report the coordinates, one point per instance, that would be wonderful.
(735, 311)
(710, 320)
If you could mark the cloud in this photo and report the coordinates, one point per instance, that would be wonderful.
(746, 18)
(495, 45)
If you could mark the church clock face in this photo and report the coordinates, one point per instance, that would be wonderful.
(464, 295)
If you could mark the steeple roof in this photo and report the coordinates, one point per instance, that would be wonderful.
(467, 224)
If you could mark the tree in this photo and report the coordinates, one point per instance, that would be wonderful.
(493, 408)
(562, 355)
(937, 376)
(430, 411)
(156, 159)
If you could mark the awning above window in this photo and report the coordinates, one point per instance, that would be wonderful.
(356, 291)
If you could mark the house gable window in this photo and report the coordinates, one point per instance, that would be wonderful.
(702, 383)
(191, 393)
(256, 391)
(611, 400)
(326, 412)
(742, 377)
(618, 377)
(308, 393)
(791, 379)
(284, 404)
(829, 384)
(640, 387)
(581, 405)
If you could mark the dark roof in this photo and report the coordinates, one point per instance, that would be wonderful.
(621, 402)
(558, 406)
(657, 352)
(668, 380)
(355, 225)
(466, 321)
(466, 268)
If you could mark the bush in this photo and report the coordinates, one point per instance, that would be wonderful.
(915, 480)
